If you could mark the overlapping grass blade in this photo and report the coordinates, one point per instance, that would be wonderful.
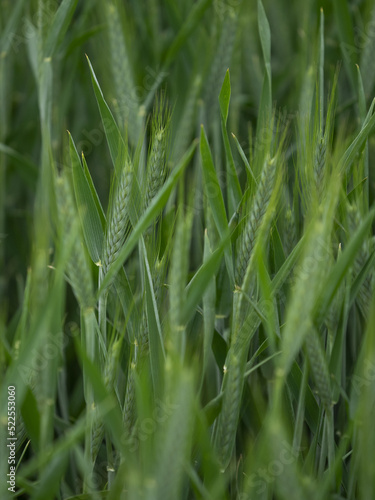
(215, 197)
(59, 26)
(91, 222)
(149, 215)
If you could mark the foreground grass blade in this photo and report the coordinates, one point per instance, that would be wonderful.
(201, 279)
(215, 197)
(265, 107)
(233, 189)
(359, 142)
(157, 351)
(87, 207)
(115, 141)
(338, 272)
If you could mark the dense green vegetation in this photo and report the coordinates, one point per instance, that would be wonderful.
(187, 275)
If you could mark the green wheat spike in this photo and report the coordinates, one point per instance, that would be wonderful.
(118, 223)
(78, 270)
(254, 219)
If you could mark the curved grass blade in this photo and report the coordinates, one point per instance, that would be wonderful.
(359, 280)
(340, 269)
(9, 31)
(201, 279)
(215, 198)
(157, 352)
(87, 207)
(187, 28)
(249, 171)
(233, 184)
(359, 142)
(59, 26)
(347, 41)
(27, 168)
(116, 144)
(93, 192)
(51, 477)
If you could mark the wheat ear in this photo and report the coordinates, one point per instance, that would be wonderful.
(78, 269)
(118, 224)
(157, 160)
(254, 219)
(319, 368)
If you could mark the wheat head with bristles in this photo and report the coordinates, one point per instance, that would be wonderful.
(251, 227)
(128, 106)
(118, 223)
(319, 368)
(320, 164)
(366, 290)
(157, 159)
(78, 269)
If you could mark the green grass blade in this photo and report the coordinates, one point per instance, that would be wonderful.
(9, 32)
(157, 352)
(359, 142)
(192, 21)
(233, 184)
(347, 42)
(360, 278)
(201, 279)
(362, 115)
(51, 477)
(295, 380)
(224, 97)
(115, 140)
(149, 215)
(110, 411)
(87, 207)
(59, 25)
(265, 107)
(31, 417)
(249, 171)
(94, 193)
(321, 68)
(27, 169)
(175, 441)
(215, 197)
(340, 269)
(209, 300)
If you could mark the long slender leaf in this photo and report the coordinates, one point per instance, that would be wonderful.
(215, 197)
(87, 207)
(149, 215)
(59, 25)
